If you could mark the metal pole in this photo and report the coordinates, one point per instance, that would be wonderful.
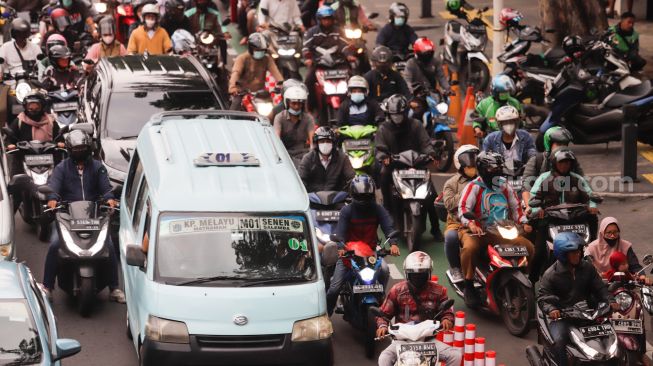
(426, 9)
(498, 39)
(629, 142)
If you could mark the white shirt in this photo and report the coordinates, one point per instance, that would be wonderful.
(511, 155)
(325, 161)
(12, 62)
(281, 11)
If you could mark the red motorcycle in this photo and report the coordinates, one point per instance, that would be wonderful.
(259, 102)
(125, 16)
(332, 73)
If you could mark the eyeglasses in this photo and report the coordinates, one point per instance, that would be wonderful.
(611, 233)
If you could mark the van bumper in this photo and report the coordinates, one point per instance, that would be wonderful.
(288, 353)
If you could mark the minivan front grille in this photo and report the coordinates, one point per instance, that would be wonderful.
(257, 341)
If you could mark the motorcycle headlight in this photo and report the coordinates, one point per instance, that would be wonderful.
(405, 191)
(36, 39)
(341, 88)
(421, 191)
(121, 10)
(286, 52)
(264, 108)
(357, 162)
(509, 233)
(40, 179)
(166, 331)
(100, 7)
(624, 300)
(353, 33)
(5, 250)
(330, 88)
(99, 243)
(22, 89)
(312, 329)
(442, 108)
(367, 274)
(207, 38)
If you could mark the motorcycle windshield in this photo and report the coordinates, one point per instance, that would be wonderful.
(82, 210)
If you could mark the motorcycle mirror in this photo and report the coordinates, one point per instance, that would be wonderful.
(88, 61)
(226, 22)
(589, 258)
(330, 254)
(45, 189)
(596, 198)
(469, 215)
(373, 15)
(446, 305)
(17, 183)
(376, 311)
(7, 131)
(648, 259)
(485, 9)
(613, 286)
(2, 60)
(265, 12)
(135, 256)
(534, 202)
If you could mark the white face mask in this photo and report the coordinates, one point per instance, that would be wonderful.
(325, 148)
(108, 39)
(509, 128)
(150, 23)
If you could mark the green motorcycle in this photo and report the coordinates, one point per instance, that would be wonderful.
(358, 144)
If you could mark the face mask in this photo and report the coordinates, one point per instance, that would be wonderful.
(34, 115)
(469, 171)
(397, 118)
(399, 21)
(294, 112)
(258, 55)
(325, 148)
(150, 23)
(508, 129)
(612, 242)
(79, 155)
(67, 3)
(418, 280)
(108, 39)
(357, 97)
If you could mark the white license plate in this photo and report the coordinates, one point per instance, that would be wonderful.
(327, 215)
(631, 326)
(35, 160)
(85, 224)
(64, 107)
(412, 174)
(578, 229)
(594, 331)
(426, 348)
(511, 251)
(364, 289)
(364, 144)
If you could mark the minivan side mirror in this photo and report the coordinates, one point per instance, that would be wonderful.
(66, 348)
(135, 256)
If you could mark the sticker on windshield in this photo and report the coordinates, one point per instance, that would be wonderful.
(296, 244)
(235, 224)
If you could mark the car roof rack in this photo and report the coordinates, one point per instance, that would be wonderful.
(156, 119)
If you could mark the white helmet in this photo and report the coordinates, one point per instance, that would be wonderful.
(506, 114)
(183, 41)
(470, 149)
(358, 81)
(294, 93)
(418, 262)
(150, 9)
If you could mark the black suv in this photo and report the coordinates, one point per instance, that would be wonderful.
(122, 93)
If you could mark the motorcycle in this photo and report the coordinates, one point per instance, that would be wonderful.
(412, 194)
(399, 60)
(358, 145)
(64, 106)
(469, 60)
(286, 45)
(332, 73)
(259, 102)
(325, 211)
(501, 281)
(20, 85)
(418, 347)
(592, 338)
(83, 228)
(124, 16)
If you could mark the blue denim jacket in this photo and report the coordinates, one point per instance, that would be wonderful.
(525, 145)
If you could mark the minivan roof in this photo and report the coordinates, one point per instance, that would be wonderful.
(168, 145)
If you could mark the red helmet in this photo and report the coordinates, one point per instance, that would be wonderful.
(423, 45)
(510, 17)
(60, 19)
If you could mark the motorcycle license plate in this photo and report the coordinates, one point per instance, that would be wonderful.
(426, 349)
(64, 107)
(515, 184)
(327, 215)
(511, 251)
(594, 331)
(37, 160)
(412, 174)
(631, 326)
(336, 74)
(578, 229)
(365, 144)
(401, 65)
(364, 289)
(287, 40)
(85, 224)
(476, 29)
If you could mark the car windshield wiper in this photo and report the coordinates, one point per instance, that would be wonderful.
(200, 280)
(266, 281)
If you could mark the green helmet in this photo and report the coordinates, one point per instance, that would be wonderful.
(453, 5)
(558, 135)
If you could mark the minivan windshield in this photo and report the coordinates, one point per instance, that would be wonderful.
(19, 341)
(129, 111)
(224, 249)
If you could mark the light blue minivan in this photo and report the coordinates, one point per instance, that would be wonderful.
(219, 257)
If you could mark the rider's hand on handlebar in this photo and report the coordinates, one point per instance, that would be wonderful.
(52, 203)
(394, 250)
(351, 58)
(555, 314)
(11, 147)
(449, 93)
(446, 324)
(475, 228)
(593, 211)
(61, 145)
(227, 36)
(645, 280)
(380, 332)
(614, 306)
(112, 203)
(528, 229)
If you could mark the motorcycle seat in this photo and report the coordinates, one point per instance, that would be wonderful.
(589, 109)
(630, 94)
(541, 70)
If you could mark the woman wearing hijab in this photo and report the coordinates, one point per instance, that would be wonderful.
(609, 241)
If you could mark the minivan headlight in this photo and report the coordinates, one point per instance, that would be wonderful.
(312, 329)
(166, 331)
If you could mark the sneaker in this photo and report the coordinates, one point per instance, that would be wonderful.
(118, 296)
(456, 275)
(47, 292)
(471, 296)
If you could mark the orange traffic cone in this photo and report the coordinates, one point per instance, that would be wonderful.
(465, 129)
(455, 100)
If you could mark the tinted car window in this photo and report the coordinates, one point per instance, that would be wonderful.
(133, 179)
(128, 111)
(18, 337)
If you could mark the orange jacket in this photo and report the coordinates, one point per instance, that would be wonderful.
(139, 42)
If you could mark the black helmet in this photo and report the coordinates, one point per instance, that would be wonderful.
(323, 133)
(398, 10)
(571, 45)
(381, 55)
(396, 104)
(20, 29)
(57, 53)
(489, 166)
(35, 97)
(79, 145)
(561, 154)
(362, 189)
(106, 25)
(175, 4)
(256, 42)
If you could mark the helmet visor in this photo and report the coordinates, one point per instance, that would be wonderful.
(467, 159)
(61, 23)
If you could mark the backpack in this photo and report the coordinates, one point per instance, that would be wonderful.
(494, 205)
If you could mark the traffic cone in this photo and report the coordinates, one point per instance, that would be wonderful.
(465, 128)
(455, 100)
(490, 358)
(479, 352)
(448, 338)
(470, 331)
(468, 359)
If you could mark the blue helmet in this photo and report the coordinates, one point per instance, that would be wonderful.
(503, 87)
(325, 11)
(564, 243)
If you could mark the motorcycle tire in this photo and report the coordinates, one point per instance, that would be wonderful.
(533, 355)
(370, 333)
(413, 231)
(517, 321)
(478, 75)
(86, 296)
(446, 155)
(632, 358)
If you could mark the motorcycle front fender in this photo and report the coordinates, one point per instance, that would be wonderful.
(479, 55)
(415, 208)
(86, 271)
(289, 64)
(517, 275)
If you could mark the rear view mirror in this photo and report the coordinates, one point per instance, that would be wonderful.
(596, 198)
(330, 254)
(648, 259)
(17, 183)
(534, 202)
(469, 215)
(8, 132)
(45, 190)
(373, 15)
(589, 258)
(446, 305)
(441, 42)
(336, 238)
(66, 348)
(226, 22)
(135, 256)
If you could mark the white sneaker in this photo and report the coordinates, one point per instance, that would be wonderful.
(456, 275)
(118, 296)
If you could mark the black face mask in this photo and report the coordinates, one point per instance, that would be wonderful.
(612, 242)
(418, 280)
(35, 116)
(202, 7)
(79, 156)
(363, 201)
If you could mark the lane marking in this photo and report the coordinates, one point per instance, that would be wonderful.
(648, 155)
(395, 274)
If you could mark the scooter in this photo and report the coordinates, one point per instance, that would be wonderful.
(286, 44)
(332, 73)
(593, 340)
(259, 102)
(502, 282)
(325, 211)
(64, 106)
(358, 145)
(469, 60)
(412, 194)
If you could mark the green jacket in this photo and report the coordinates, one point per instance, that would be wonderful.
(622, 43)
(487, 108)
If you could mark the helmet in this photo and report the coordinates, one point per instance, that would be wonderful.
(558, 135)
(509, 17)
(362, 189)
(20, 29)
(358, 81)
(150, 9)
(175, 4)
(325, 11)
(381, 55)
(571, 45)
(564, 243)
(60, 19)
(58, 52)
(561, 154)
(465, 156)
(55, 39)
(424, 48)
(257, 42)
(417, 268)
(502, 87)
(454, 5)
(489, 166)
(290, 83)
(294, 94)
(396, 104)
(507, 114)
(323, 133)
(399, 10)
(79, 145)
(183, 41)
(106, 25)
(35, 97)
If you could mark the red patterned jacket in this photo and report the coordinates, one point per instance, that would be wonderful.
(399, 299)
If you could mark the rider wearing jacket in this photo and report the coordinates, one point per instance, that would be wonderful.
(294, 126)
(358, 108)
(397, 35)
(416, 299)
(383, 80)
(625, 40)
(609, 241)
(350, 13)
(174, 17)
(79, 178)
(359, 221)
(61, 71)
(205, 17)
(18, 52)
(109, 46)
(325, 168)
(503, 89)
(571, 280)
(515, 145)
(82, 13)
(424, 69)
